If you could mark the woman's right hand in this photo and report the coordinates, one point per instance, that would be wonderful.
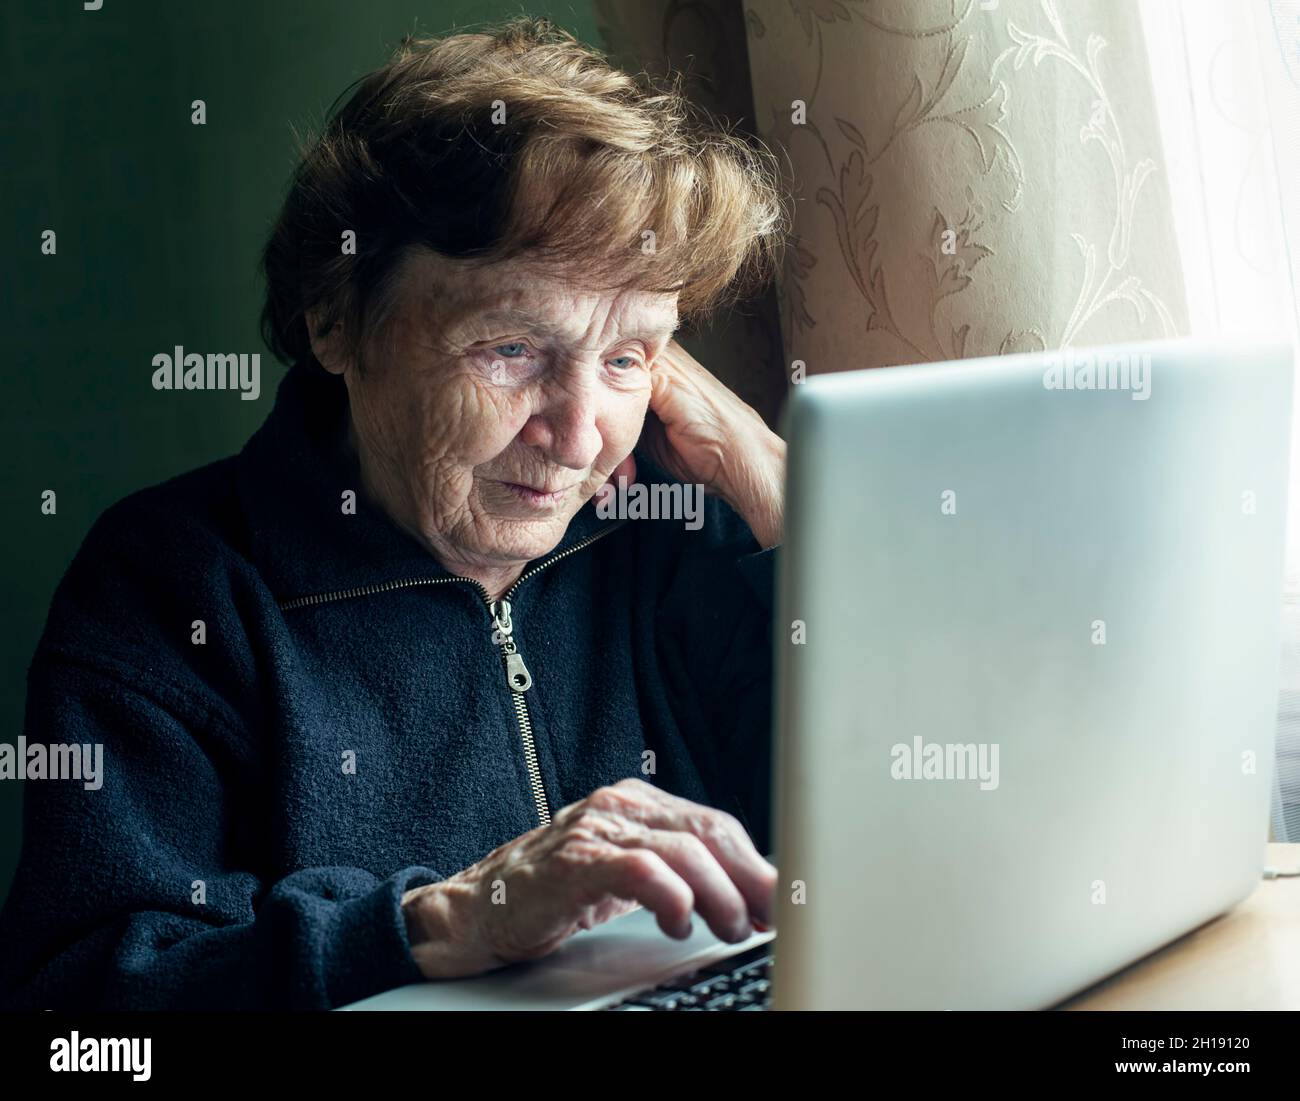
(621, 846)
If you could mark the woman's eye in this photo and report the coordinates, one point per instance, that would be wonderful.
(513, 350)
(623, 363)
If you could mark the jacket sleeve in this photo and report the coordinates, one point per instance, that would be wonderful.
(716, 634)
(141, 887)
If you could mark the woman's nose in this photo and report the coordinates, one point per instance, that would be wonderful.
(564, 427)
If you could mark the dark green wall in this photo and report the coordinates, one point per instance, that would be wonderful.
(159, 224)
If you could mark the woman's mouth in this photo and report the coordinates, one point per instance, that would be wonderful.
(535, 497)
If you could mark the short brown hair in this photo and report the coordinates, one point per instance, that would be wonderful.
(587, 160)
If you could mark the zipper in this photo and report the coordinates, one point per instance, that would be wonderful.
(518, 679)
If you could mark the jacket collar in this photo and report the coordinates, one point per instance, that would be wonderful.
(292, 475)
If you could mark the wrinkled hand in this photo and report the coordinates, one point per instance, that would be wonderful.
(699, 431)
(623, 845)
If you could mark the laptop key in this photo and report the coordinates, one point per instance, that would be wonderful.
(723, 1001)
(659, 999)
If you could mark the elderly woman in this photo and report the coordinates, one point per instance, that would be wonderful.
(389, 695)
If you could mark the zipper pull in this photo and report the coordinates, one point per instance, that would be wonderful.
(517, 675)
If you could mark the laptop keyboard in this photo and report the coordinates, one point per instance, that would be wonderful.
(737, 983)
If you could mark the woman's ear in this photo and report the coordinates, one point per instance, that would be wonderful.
(328, 347)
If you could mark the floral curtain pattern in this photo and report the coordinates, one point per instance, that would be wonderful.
(972, 177)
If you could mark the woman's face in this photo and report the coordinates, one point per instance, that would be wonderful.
(496, 401)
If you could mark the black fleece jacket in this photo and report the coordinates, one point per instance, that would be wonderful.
(275, 779)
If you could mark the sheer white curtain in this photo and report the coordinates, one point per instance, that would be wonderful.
(1227, 86)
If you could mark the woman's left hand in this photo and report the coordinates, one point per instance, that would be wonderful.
(699, 431)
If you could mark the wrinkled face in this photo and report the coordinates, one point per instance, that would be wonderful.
(496, 402)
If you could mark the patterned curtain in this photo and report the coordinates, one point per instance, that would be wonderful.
(970, 177)
(974, 177)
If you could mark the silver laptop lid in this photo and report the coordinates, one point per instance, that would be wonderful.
(1027, 656)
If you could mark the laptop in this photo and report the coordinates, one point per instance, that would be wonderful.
(1027, 655)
